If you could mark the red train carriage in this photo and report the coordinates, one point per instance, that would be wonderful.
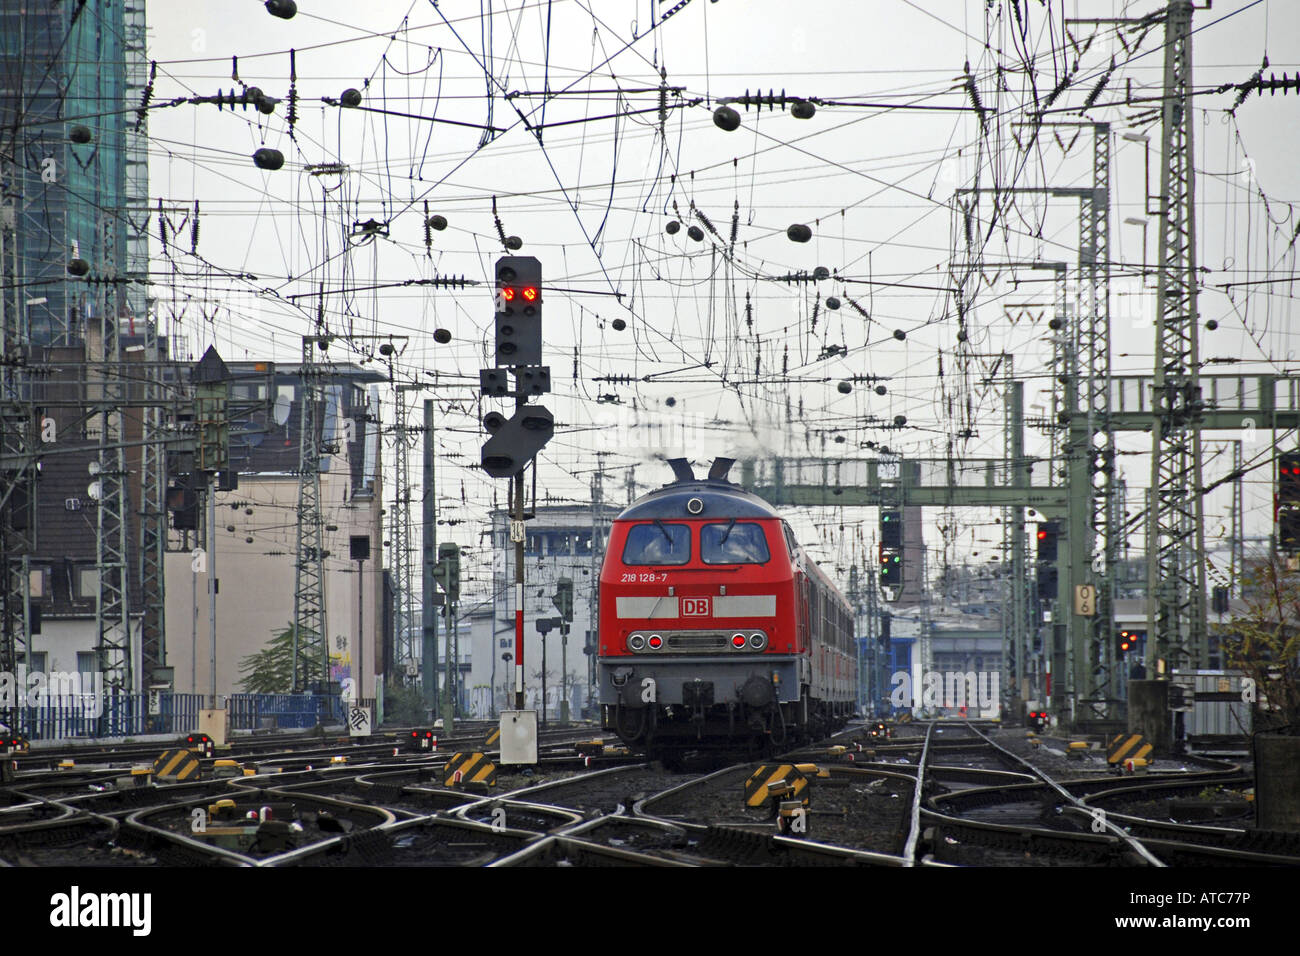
(716, 629)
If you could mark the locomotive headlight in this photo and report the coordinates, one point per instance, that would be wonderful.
(655, 642)
(757, 641)
(636, 642)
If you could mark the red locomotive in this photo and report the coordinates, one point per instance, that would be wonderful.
(716, 629)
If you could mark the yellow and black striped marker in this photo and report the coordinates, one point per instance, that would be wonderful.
(768, 782)
(176, 766)
(469, 768)
(493, 738)
(1128, 747)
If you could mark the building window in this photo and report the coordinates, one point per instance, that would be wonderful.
(38, 661)
(87, 581)
(87, 665)
(39, 582)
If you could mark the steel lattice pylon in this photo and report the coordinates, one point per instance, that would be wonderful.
(309, 641)
(112, 606)
(1094, 671)
(153, 462)
(404, 644)
(17, 529)
(1175, 541)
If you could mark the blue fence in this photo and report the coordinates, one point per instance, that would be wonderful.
(110, 715)
(127, 715)
(283, 711)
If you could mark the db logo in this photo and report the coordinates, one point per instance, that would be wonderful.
(695, 607)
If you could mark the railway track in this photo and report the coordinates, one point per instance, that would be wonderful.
(938, 793)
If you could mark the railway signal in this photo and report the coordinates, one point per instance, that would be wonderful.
(1288, 479)
(183, 503)
(517, 440)
(891, 529)
(563, 599)
(891, 567)
(519, 311)
(1049, 533)
(1127, 641)
(447, 570)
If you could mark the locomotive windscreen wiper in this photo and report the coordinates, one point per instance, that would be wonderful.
(660, 525)
(730, 524)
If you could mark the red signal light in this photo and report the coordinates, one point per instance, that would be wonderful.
(529, 293)
(508, 293)
(1042, 535)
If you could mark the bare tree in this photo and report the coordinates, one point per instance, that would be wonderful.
(1264, 643)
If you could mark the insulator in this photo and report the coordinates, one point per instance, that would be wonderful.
(428, 233)
(749, 312)
(351, 98)
(1101, 85)
(1057, 90)
(858, 309)
(291, 117)
(735, 224)
(798, 233)
(708, 223)
(785, 361)
(974, 92)
(663, 98)
(146, 96)
(162, 226)
(194, 230)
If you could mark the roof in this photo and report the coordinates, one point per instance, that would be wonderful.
(721, 499)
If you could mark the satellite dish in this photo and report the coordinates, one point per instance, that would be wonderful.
(280, 410)
(95, 490)
(93, 468)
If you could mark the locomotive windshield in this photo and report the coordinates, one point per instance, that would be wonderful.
(733, 543)
(657, 543)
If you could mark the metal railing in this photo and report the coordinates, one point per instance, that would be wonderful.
(94, 716)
